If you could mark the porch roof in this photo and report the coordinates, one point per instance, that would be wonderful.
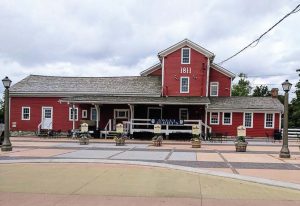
(96, 99)
(245, 103)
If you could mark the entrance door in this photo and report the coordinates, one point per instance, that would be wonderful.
(47, 118)
(154, 113)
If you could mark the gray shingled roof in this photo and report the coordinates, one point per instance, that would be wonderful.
(134, 85)
(137, 100)
(266, 103)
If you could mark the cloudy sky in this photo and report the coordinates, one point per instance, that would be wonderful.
(116, 38)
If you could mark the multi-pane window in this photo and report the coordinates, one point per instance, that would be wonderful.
(84, 113)
(269, 120)
(183, 114)
(93, 114)
(214, 118)
(184, 84)
(214, 88)
(248, 120)
(185, 55)
(121, 114)
(25, 113)
(227, 118)
(73, 113)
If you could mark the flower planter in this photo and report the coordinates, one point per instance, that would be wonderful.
(196, 144)
(241, 146)
(156, 143)
(120, 141)
(84, 141)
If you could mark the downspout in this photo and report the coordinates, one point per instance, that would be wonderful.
(73, 118)
(207, 75)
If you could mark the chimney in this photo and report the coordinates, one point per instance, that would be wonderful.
(274, 92)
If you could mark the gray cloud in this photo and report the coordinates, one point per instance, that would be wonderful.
(104, 38)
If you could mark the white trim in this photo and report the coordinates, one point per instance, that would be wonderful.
(22, 117)
(121, 110)
(265, 121)
(207, 76)
(162, 75)
(93, 108)
(188, 91)
(148, 111)
(230, 86)
(182, 109)
(252, 117)
(185, 48)
(223, 70)
(77, 111)
(210, 85)
(279, 126)
(224, 116)
(185, 42)
(150, 69)
(84, 113)
(243, 110)
(210, 115)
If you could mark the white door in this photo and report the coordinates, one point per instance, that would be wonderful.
(47, 117)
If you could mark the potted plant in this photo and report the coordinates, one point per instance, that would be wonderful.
(84, 139)
(120, 139)
(196, 141)
(157, 140)
(240, 144)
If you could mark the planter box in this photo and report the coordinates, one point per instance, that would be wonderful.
(84, 141)
(156, 143)
(241, 146)
(120, 142)
(196, 144)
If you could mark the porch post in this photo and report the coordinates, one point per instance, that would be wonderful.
(205, 120)
(131, 117)
(97, 116)
(73, 120)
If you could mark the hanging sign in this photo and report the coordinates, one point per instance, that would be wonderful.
(119, 128)
(157, 129)
(241, 131)
(196, 129)
(167, 121)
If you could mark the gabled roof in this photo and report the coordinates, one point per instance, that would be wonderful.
(223, 70)
(151, 69)
(245, 103)
(189, 43)
(36, 85)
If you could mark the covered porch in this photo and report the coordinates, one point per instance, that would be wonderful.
(139, 114)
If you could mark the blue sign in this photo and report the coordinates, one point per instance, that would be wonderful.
(167, 121)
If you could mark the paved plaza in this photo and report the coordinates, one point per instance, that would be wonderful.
(139, 172)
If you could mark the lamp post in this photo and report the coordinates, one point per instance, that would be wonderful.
(285, 152)
(6, 145)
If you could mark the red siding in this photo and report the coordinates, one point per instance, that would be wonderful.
(172, 67)
(60, 113)
(224, 82)
(155, 73)
(258, 129)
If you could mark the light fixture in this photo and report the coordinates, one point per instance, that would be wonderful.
(286, 86)
(6, 82)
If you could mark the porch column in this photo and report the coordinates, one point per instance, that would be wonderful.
(97, 106)
(205, 120)
(131, 106)
(73, 120)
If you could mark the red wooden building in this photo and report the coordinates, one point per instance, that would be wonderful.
(186, 87)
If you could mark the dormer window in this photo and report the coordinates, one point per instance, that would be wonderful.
(185, 55)
(214, 89)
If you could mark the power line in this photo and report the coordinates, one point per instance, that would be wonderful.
(295, 10)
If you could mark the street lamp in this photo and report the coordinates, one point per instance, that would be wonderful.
(6, 145)
(285, 152)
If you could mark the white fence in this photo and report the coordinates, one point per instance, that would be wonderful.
(294, 132)
(1, 129)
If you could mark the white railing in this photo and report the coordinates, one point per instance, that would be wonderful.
(1, 128)
(145, 125)
(107, 128)
(294, 132)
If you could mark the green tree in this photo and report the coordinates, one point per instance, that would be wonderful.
(261, 91)
(294, 107)
(242, 88)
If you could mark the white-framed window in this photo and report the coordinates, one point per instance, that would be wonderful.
(25, 113)
(214, 118)
(185, 55)
(269, 120)
(84, 113)
(248, 119)
(73, 113)
(184, 84)
(183, 113)
(214, 89)
(121, 113)
(227, 118)
(93, 114)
